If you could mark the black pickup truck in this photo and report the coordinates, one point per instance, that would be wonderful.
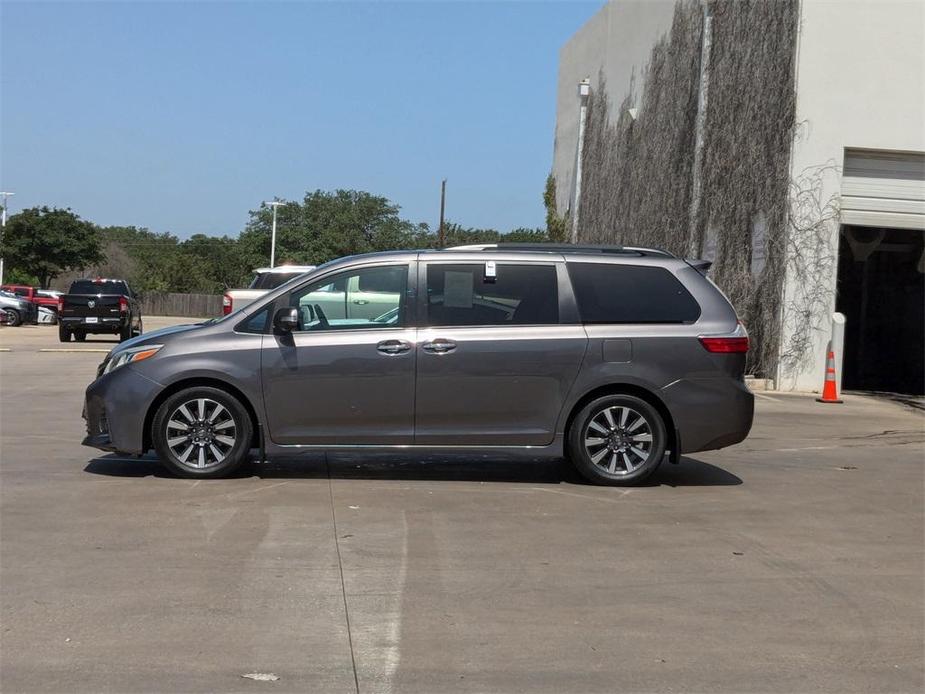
(98, 306)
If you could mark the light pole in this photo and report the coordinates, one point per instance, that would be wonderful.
(274, 204)
(4, 195)
(584, 91)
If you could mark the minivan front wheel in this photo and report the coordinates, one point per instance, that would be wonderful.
(617, 440)
(202, 432)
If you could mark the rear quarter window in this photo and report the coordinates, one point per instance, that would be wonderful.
(630, 294)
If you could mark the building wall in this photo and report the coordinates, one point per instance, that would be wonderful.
(860, 84)
(618, 41)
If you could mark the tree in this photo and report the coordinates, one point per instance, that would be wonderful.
(44, 242)
(328, 225)
(525, 235)
(556, 225)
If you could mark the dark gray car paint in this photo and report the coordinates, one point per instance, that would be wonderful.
(504, 389)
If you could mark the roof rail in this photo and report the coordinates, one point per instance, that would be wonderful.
(563, 248)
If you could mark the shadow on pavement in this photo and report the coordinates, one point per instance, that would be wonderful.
(689, 473)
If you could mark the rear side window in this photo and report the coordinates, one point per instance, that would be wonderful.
(98, 287)
(517, 295)
(630, 294)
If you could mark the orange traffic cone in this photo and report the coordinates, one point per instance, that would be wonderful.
(829, 389)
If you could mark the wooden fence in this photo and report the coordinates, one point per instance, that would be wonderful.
(192, 305)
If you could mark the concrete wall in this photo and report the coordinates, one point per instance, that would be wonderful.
(860, 84)
(617, 40)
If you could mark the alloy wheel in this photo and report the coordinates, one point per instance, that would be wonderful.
(618, 440)
(201, 433)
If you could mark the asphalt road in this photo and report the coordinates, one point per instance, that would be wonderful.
(791, 562)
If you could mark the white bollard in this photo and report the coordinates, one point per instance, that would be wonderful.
(838, 345)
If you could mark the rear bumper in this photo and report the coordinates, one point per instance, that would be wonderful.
(115, 408)
(710, 413)
(104, 325)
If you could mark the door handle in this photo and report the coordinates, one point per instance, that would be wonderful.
(439, 346)
(392, 347)
(360, 302)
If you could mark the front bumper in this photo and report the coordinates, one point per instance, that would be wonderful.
(115, 408)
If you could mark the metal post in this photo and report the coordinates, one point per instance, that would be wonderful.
(441, 234)
(702, 94)
(273, 240)
(838, 345)
(584, 90)
(5, 195)
(274, 204)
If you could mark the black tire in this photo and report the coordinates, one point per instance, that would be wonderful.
(169, 411)
(80, 335)
(64, 335)
(13, 318)
(141, 329)
(592, 419)
(125, 332)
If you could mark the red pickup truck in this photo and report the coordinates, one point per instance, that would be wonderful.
(40, 297)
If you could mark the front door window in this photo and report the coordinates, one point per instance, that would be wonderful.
(363, 299)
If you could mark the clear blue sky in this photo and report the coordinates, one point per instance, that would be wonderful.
(182, 117)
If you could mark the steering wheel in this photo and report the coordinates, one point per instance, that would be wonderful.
(322, 319)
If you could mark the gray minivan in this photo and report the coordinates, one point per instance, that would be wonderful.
(614, 357)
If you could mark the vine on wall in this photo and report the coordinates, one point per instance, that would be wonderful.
(811, 261)
(638, 172)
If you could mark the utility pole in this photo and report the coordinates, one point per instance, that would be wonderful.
(274, 204)
(4, 195)
(441, 234)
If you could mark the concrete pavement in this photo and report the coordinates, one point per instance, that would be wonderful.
(791, 562)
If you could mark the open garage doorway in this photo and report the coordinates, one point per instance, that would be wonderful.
(881, 291)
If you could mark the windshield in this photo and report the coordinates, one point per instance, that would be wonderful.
(98, 287)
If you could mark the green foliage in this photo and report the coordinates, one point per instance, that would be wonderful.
(457, 235)
(17, 276)
(556, 226)
(323, 226)
(44, 242)
(328, 225)
(160, 262)
(524, 235)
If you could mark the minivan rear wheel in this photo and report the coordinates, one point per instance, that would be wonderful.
(617, 440)
(202, 432)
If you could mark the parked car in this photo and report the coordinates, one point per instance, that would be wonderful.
(40, 297)
(98, 306)
(612, 356)
(265, 279)
(46, 316)
(17, 309)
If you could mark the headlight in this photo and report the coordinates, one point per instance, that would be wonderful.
(130, 356)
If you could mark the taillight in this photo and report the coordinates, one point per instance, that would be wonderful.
(735, 342)
(226, 304)
(123, 305)
(60, 304)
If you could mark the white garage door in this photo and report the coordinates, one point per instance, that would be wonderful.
(883, 189)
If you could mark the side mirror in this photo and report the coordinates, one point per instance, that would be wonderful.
(286, 319)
